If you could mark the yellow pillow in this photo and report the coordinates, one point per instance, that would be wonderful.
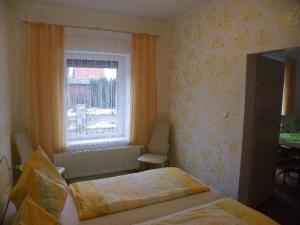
(30, 213)
(40, 161)
(50, 195)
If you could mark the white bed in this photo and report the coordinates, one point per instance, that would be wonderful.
(128, 217)
(224, 211)
(143, 215)
(69, 215)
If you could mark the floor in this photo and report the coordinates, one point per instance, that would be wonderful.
(284, 205)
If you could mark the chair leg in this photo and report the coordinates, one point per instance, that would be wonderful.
(298, 183)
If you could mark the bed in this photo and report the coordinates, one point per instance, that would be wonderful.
(223, 211)
(138, 215)
(150, 214)
(70, 214)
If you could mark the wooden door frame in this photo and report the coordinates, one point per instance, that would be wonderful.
(249, 128)
(249, 124)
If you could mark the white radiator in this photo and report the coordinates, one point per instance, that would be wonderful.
(97, 162)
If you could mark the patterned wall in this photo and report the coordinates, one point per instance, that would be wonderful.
(208, 51)
(4, 87)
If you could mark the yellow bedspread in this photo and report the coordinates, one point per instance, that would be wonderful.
(109, 195)
(220, 212)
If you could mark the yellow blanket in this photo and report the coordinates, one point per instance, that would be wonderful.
(109, 195)
(220, 212)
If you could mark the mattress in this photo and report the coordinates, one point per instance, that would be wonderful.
(115, 194)
(69, 215)
(223, 211)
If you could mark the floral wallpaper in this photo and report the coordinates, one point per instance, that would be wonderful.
(208, 56)
(4, 87)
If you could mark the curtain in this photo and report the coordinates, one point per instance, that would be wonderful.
(86, 63)
(289, 87)
(143, 88)
(45, 87)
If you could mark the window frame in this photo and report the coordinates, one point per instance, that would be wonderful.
(82, 141)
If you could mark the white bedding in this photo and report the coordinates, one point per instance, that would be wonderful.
(222, 211)
(156, 220)
(70, 217)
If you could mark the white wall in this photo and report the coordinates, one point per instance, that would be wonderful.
(4, 87)
(73, 16)
(97, 41)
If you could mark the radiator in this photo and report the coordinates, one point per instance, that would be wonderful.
(97, 162)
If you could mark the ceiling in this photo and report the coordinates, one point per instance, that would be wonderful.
(156, 9)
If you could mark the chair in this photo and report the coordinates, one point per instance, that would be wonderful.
(158, 146)
(288, 162)
(289, 124)
(25, 149)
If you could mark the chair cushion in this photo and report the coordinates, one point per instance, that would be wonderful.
(153, 158)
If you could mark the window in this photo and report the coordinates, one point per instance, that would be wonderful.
(97, 99)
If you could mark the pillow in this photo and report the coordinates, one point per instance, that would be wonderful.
(30, 213)
(40, 161)
(50, 195)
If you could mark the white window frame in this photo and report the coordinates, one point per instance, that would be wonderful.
(84, 141)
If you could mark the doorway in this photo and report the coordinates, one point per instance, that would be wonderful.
(263, 116)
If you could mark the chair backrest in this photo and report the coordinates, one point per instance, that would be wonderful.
(288, 124)
(159, 142)
(24, 146)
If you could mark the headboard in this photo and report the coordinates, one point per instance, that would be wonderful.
(5, 186)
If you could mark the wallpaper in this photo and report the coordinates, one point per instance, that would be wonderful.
(208, 74)
(4, 88)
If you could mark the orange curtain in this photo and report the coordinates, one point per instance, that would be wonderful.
(143, 88)
(45, 87)
(289, 87)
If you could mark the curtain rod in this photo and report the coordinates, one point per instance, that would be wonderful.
(92, 28)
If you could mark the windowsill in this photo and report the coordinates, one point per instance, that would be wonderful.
(95, 144)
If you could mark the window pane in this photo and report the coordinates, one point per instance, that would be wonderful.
(92, 102)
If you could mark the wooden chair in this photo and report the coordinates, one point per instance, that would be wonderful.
(288, 162)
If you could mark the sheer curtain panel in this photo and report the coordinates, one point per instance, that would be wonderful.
(45, 87)
(143, 88)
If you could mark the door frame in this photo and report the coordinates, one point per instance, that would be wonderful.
(249, 126)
